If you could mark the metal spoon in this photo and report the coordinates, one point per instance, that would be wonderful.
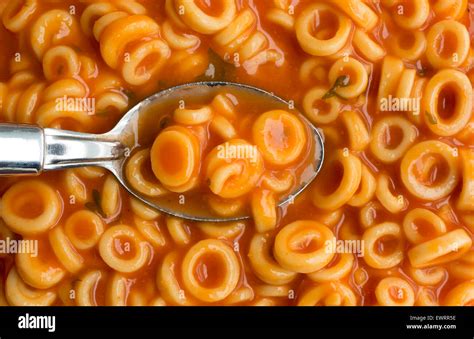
(30, 150)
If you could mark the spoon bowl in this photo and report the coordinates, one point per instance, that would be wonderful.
(36, 150)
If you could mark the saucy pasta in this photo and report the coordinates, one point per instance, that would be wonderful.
(388, 221)
(229, 147)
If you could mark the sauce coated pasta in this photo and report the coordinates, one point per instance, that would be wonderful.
(388, 221)
(229, 147)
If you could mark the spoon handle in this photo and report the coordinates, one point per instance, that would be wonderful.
(28, 149)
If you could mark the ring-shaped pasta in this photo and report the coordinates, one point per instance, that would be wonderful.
(389, 233)
(356, 73)
(420, 225)
(337, 271)
(408, 45)
(75, 186)
(201, 22)
(233, 168)
(461, 295)
(110, 101)
(428, 276)
(18, 13)
(331, 218)
(452, 9)
(417, 164)
(242, 294)
(178, 230)
(222, 127)
(42, 271)
(301, 246)
(447, 102)
(392, 69)
(370, 213)
(394, 203)
(90, 172)
(417, 88)
(448, 44)
(151, 231)
(134, 7)
(84, 229)
(60, 62)
(123, 249)
(68, 87)
(101, 24)
(143, 211)
(175, 157)
(31, 207)
(313, 70)
(225, 207)
(20, 294)
(328, 294)
(278, 182)
(111, 201)
(326, 45)
(188, 116)
(48, 115)
(168, 283)
(86, 288)
(65, 251)
(466, 198)
(91, 13)
(346, 186)
(264, 265)
(280, 137)
(411, 14)
(367, 46)
(264, 210)
(117, 290)
(394, 291)
(280, 17)
(52, 27)
(136, 178)
(177, 40)
(321, 111)
(223, 105)
(138, 70)
(360, 12)
(442, 249)
(270, 291)
(366, 190)
(210, 270)
(131, 28)
(28, 103)
(357, 132)
(386, 143)
(226, 231)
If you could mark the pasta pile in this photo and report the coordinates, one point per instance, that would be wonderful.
(388, 221)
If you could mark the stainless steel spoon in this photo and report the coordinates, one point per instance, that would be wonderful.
(30, 150)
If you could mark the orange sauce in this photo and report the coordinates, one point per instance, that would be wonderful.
(283, 80)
